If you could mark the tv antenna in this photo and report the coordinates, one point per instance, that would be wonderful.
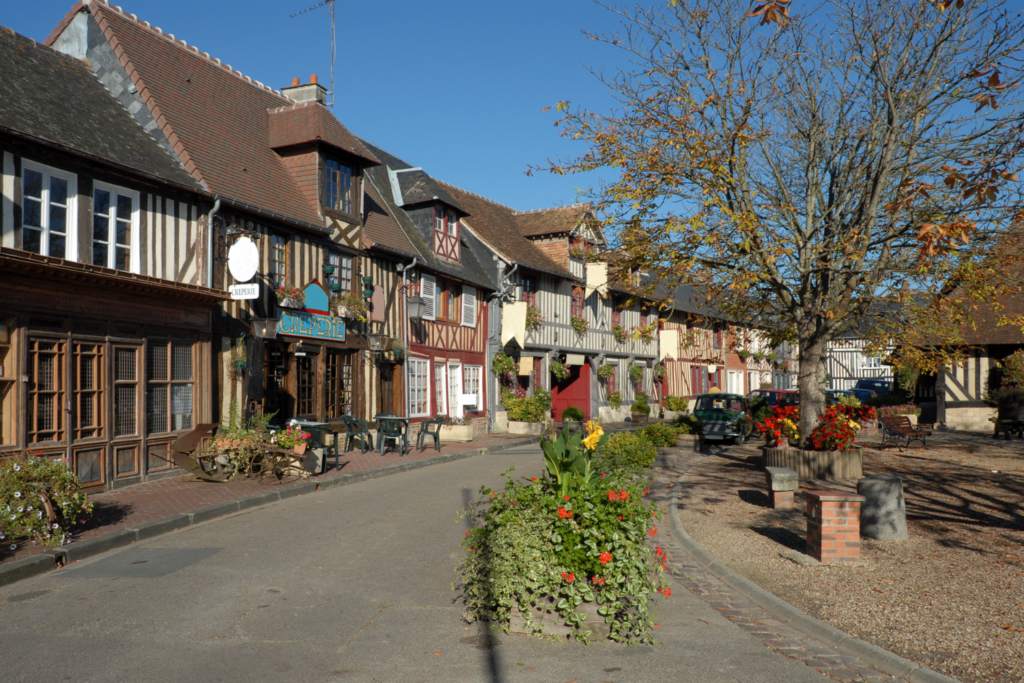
(329, 4)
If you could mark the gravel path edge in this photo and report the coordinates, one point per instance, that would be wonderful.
(878, 657)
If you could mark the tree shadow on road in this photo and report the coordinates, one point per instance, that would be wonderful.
(486, 640)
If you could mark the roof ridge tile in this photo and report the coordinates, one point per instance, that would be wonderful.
(474, 194)
(553, 208)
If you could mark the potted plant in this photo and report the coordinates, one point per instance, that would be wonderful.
(641, 409)
(527, 414)
(580, 325)
(350, 306)
(293, 438)
(636, 372)
(560, 370)
(290, 297)
(534, 320)
(675, 407)
(397, 348)
(504, 365)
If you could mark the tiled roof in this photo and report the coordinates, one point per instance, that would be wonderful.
(36, 86)
(554, 221)
(311, 122)
(216, 119)
(497, 226)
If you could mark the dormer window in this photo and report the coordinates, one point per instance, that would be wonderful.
(338, 183)
(446, 233)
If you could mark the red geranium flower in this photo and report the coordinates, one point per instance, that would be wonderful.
(605, 558)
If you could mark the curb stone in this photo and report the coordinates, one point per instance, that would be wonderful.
(79, 550)
(787, 614)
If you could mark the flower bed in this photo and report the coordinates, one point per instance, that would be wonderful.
(566, 553)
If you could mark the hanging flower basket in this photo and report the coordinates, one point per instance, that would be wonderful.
(559, 369)
(290, 302)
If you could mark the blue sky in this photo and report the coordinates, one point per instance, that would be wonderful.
(454, 86)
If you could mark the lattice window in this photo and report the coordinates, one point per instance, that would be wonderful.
(278, 261)
(418, 370)
(339, 383)
(306, 384)
(440, 388)
(342, 274)
(46, 390)
(338, 180)
(169, 383)
(471, 382)
(126, 391)
(88, 390)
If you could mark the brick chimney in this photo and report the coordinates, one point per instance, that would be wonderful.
(310, 92)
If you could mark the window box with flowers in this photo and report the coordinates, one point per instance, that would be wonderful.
(350, 306)
(565, 554)
(534, 319)
(560, 370)
(645, 333)
(290, 297)
(580, 325)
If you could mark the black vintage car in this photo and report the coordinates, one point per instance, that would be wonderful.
(724, 416)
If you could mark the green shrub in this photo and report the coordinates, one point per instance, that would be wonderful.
(687, 424)
(524, 410)
(629, 452)
(640, 407)
(572, 413)
(40, 500)
(661, 434)
(759, 409)
(677, 403)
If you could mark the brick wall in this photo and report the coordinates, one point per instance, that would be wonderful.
(304, 165)
(479, 425)
(833, 526)
(555, 249)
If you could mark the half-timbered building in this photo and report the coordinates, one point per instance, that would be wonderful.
(280, 169)
(105, 313)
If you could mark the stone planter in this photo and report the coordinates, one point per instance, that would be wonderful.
(639, 418)
(673, 415)
(526, 428)
(548, 621)
(826, 465)
(500, 422)
(456, 432)
(289, 302)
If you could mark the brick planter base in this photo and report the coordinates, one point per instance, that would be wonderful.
(826, 465)
(833, 526)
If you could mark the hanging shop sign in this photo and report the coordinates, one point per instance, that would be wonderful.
(249, 290)
(312, 325)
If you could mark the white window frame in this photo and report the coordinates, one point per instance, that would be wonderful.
(870, 362)
(733, 379)
(134, 251)
(418, 383)
(473, 374)
(71, 224)
(441, 388)
(454, 389)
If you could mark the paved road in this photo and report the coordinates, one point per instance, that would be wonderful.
(352, 584)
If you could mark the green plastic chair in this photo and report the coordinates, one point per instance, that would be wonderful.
(357, 429)
(431, 428)
(392, 429)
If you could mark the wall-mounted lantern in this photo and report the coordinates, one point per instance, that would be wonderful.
(264, 328)
(416, 306)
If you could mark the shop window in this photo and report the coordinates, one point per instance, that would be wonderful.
(169, 385)
(306, 386)
(276, 369)
(88, 392)
(46, 393)
(114, 228)
(418, 370)
(342, 274)
(126, 391)
(472, 384)
(278, 261)
(338, 181)
(48, 215)
(339, 383)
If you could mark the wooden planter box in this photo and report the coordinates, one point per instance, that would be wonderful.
(456, 432)
(527, 428)
(827, 465)
(548, 621)
(639, 418)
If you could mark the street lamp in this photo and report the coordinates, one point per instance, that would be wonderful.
(415, 305)
(377, 342)
(264, 328)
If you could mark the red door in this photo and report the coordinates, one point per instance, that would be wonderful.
(574, 390)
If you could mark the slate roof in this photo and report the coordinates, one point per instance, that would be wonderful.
(216, 119)
(469, 270)
(555, 221)
(36, 86)
(497, 226)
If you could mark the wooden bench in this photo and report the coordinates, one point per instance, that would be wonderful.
(898, 428)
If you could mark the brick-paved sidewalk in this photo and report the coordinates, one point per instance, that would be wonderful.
(152, 501)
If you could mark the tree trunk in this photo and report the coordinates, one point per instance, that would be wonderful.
(811, 383)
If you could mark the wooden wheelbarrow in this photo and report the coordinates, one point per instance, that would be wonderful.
(183, 448)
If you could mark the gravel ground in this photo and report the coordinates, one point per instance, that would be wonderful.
(951, 598)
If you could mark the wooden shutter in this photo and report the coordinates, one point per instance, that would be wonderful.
(468, 306)
(428, 288)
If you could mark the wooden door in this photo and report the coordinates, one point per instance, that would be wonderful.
(572, 391)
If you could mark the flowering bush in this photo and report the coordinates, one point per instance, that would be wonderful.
(521, 408)
(893, 411)
(860, 413)
(835, 431)
(628, 452)
(781, 424)
(677, 403)
(40, 500)
(291, 436)
(569, 539)
(283, 292)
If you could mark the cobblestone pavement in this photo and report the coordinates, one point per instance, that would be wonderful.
(744, 612)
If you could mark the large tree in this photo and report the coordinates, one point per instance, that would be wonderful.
(810, 166)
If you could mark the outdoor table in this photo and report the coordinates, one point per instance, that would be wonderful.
(403, 431)
(317, 430)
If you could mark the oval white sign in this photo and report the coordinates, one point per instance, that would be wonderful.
(243, 259)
